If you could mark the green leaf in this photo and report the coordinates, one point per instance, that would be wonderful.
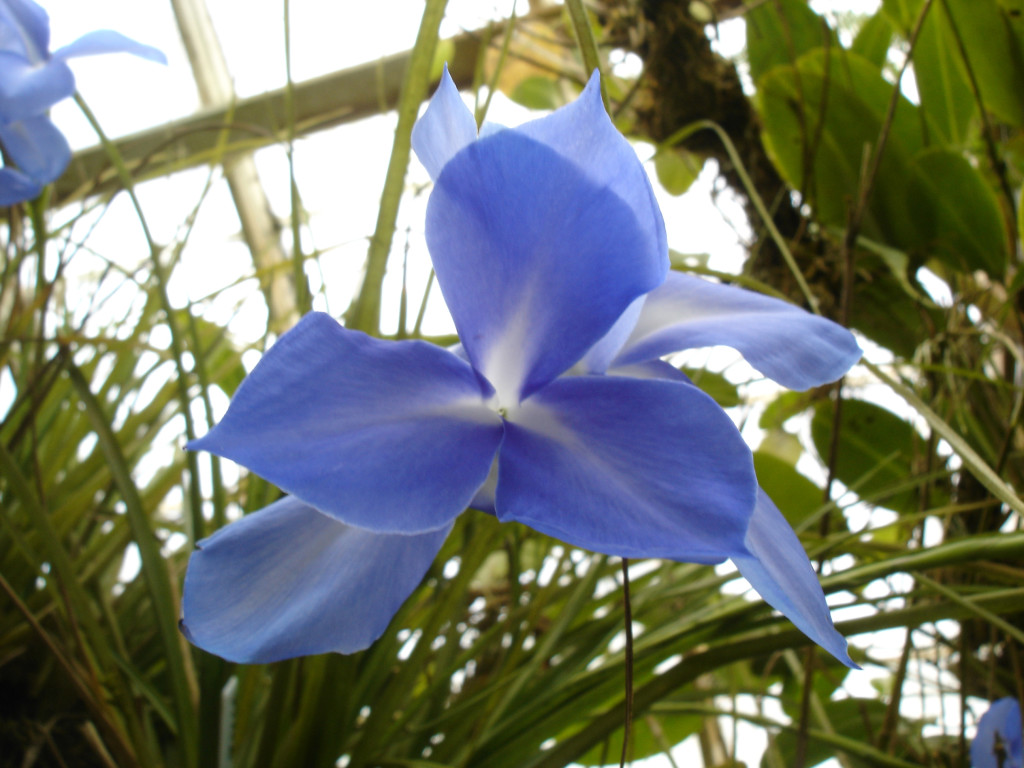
(945, 93)
(876, 452)
(651, 735)
(780, 32)
(795, 496)
(537, 93)
(715, 384)
(856, 719)
(874, 39)
(677, 169)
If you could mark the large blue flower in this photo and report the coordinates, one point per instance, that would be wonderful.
(555, 411)
(999, 742)
(31, 81)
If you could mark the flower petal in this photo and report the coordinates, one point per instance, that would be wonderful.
(16, 187)
(629, 467)
(446, 126)
(27, 90)
(583, 133)
(289, 581)
(778, 568)
(108, 41)
(998, 742)
(394, 437)
(24, 29)
(535, 261)
(795, 348)
(37, 147)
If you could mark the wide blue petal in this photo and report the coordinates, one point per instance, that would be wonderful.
(583, 133)
(446, 126)
(778, 568)
(535, 261)
(289, 581)
(390, 436)
(998, 742)
(37, 147)
(629, 467)
(24, 29)
(16, 187)
(795, 348)
(108, 41)
(27, 90)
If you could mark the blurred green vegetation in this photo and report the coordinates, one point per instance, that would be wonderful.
(877, 158)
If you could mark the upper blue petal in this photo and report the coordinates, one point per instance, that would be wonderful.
(778, 568)
(37, 147)
(535, 260)
(446, 126)
(108, 41)
(629, 467)
(27, 90)
(793, 347)
(289, 581)
(998, 742)
(582, 133)
(24, 29)
(390, 436)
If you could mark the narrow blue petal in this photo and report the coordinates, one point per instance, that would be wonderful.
(16, 187)
(793, 347)
(582, 133)
(778, 568)
(535, 261)
(108, 41)
(629, 467)
(24, 29)
(394, 437)
(289, 581)
(27, 90)
(998, 742)
(446, 126)
(37, 147)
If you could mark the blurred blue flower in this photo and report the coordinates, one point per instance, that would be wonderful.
(555, 410)
(31, 81)
(999, 742)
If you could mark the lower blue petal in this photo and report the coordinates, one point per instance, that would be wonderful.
(390, 436)
(16, 187)
(778, 568)
(629, 467)
(289, 581)
(37, 147)
(793, 347)
(108, 41)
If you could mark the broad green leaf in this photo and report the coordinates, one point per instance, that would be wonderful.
(780, 32)
(715, 384)
(876, 452)
(874, 39)
(677, 169)
(537, 92)
(650, 736)
(856, 719)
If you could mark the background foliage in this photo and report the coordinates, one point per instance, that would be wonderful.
(879, 160)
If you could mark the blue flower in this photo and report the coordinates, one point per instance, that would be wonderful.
(31, 81)
(998, 742)
(555, 411)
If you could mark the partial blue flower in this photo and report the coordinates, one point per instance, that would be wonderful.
(555, 410)
(999, 742)
(31, 81)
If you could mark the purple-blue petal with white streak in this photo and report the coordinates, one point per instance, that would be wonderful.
(778, 568)
(793, 347)
(629, 467)
(445, 127)
(535, 261)
(394, 437)
(290, 581)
